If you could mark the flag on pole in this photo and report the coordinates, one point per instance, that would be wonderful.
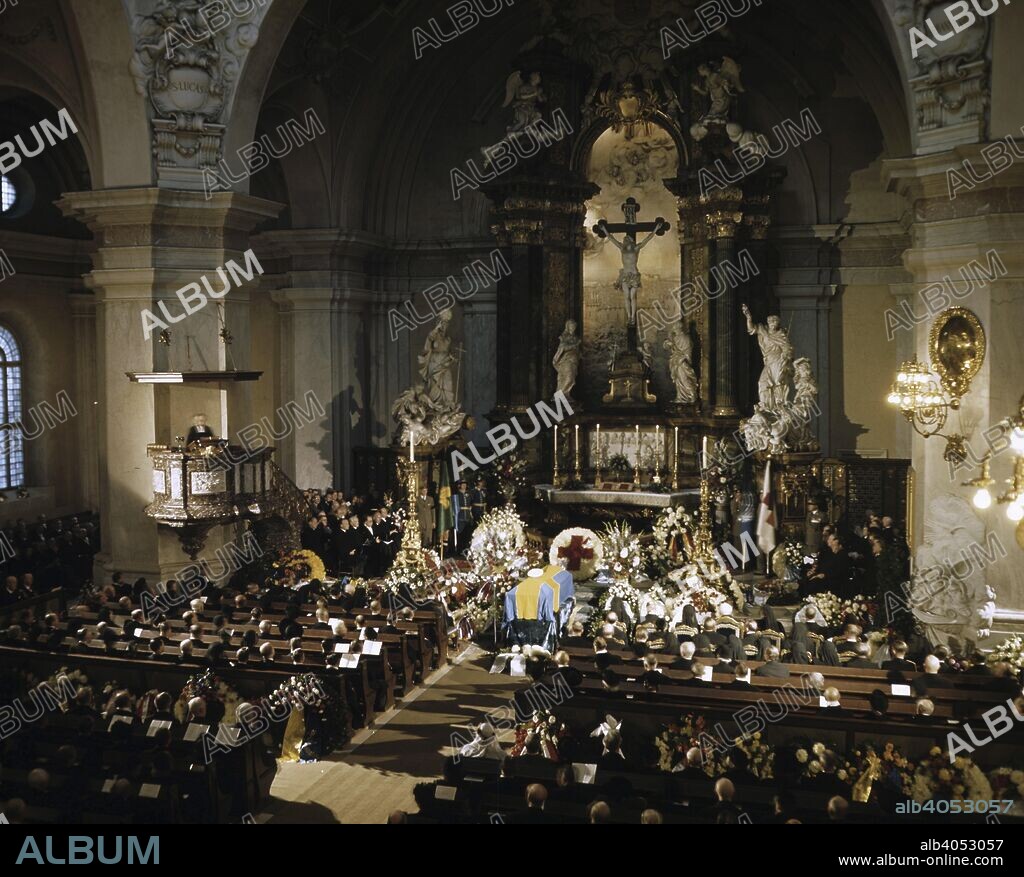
(445, 516)
(766, 514)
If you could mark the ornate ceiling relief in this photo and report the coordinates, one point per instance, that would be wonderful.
(950, 75)
(620, 40)
(187, 59)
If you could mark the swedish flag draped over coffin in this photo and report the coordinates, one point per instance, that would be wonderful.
(531, 605)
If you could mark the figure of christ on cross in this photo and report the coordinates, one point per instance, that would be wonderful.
(629, 277)
(575, 552)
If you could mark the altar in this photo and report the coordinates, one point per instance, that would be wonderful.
(687, 498)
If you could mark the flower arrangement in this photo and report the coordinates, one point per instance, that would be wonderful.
(588, 566)
(630, 597)
(705, 592)
(897, 770)
(212, 689)
(420, 579)
(1007, 784)
(498, 540)
(1010, 650)
(760, 758)
(673, 529)
(794, 552)
(545, 725)
(812, 761)
(962, 780)
(623, 556)
(673, 743)
(835, 609)
(511, 470)
(307, 564)
(618, 464)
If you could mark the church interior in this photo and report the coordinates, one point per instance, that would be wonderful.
(511, 411)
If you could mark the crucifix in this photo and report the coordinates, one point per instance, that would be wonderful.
(629, 277)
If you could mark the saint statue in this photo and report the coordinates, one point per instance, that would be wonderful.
(777, 376)
(567, 358)
(436, 363)
(757, 433)
(629, 277)
(680, 356)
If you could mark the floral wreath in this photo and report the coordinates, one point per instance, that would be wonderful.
(304, 560)
(672, 533)
(588, 566)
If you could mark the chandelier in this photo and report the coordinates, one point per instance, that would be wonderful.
(917, 395)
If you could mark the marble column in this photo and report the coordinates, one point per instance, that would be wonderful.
(149, 244)
(83, 315)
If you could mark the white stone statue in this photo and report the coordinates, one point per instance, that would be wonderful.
(525, 99)
(436, 363)
(777, 376)
(720, 87)
(680, 366)
(567, 358)
(756, 429)
(805, 405)
(629, 276)
(949, 594)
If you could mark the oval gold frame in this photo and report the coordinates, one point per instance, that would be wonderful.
(957, 348)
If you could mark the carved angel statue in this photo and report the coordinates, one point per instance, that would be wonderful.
(805, 404)
(525, 99)
(949, 594)
(680, 367)
(721, 87)
(567, 358)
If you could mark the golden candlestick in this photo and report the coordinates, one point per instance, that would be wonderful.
(554, 475)
(636, 469)
(703, 540)
(675, 462)
(577, 474)
(411, 552)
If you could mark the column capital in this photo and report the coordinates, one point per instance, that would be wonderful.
(167, 216)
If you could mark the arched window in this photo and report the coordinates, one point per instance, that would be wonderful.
(12, 447)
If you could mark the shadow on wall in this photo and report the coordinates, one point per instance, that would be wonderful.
(843, 432)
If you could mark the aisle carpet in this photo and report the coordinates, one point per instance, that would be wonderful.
(377, 772)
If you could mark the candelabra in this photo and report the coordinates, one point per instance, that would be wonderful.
(411, 552)
(703, 540)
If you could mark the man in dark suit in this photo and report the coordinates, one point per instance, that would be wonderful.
(899, 661)
(576, 639)
(685, 659)
(740, 682)
(931, 679)
(771, 666)
(708, 640)
(536, 798)
(612, 757)
(603, 659)
(861, 660)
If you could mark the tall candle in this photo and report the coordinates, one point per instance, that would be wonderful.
(676, 448)
(704, 453)
(556, 447)
(657, 445)
(577, 440)
(412, 447)
(599, 446)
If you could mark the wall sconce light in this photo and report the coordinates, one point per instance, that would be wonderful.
(920, 401)
(956, 346)
(1013, 499)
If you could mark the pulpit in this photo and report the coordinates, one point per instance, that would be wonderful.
(193, 491)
